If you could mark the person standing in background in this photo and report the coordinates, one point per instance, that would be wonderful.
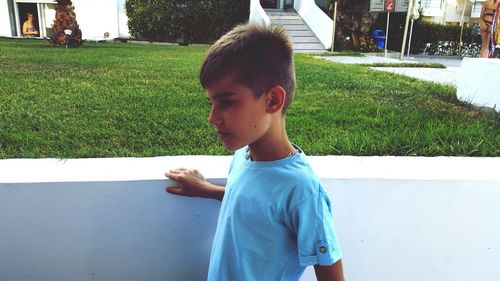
(487, 14)
(29, 29)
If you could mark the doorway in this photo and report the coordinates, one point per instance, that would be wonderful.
(269, 4)
(288, 4)
(25, 8)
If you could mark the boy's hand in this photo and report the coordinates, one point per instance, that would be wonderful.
(192, 183)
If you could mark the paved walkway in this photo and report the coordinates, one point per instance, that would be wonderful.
(448, 75)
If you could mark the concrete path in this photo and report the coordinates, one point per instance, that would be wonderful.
(448, 75)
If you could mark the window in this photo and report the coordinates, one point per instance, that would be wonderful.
(43, 12)
(432, 4)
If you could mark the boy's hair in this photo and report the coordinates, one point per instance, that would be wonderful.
(258, 57)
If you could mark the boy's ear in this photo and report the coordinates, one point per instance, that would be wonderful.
(275, 99)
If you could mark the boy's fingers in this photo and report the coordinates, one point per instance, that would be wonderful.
(178, 170)
(174, 190)
(172, 176)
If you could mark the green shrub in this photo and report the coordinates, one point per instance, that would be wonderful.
(192, 21)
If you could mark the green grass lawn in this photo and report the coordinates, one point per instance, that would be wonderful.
(112, 99)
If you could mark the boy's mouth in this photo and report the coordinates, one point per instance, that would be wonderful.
(222, 135)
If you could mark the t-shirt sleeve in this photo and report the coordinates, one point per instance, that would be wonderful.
(317, 242)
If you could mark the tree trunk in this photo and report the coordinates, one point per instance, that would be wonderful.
(354, 20)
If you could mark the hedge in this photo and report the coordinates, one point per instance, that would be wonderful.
(435, 34)
(186, 21)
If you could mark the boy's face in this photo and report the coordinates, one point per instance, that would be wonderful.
(238, 116)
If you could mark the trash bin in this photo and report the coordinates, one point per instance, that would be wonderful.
(379, 37)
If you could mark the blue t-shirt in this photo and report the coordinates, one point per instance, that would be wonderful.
(275, 220)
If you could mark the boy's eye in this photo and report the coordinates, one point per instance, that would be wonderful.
(226, 103)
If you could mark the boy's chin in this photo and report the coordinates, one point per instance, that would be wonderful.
(232, 148)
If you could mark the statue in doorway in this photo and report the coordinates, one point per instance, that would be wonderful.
(66, 30)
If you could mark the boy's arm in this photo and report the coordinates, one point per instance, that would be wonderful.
(192, 183)
(333, 272)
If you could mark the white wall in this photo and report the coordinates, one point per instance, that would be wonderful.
(257, 14)
(123, 30)
(454, 9)
(4, 19)
(479, 83)
(95, 17)
(398, 218)
(451, 11)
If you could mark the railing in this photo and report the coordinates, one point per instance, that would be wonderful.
(257, 14)
(397, 218)
(320, 24)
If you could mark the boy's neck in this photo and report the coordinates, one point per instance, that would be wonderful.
(273, 146)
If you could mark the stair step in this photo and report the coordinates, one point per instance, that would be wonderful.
(309, 51)
(302, 27)
(305, 39)
(308, 46)
(283, 14)
(295, 17)
(288, 21)
(300, 33)
(297, 30)
(271, 12)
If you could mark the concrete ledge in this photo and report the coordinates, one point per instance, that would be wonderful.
(397, 218)
(216, 167)
(479, 82)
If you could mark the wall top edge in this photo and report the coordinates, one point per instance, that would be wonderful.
(216, 168)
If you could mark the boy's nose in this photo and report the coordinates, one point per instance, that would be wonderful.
(213, 118)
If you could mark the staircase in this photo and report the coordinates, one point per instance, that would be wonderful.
(303, 39)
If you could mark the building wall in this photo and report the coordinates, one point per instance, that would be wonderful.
(451, 11)
(397, 218)
(123, 30)
(95, 17)
(5, 25)
(454, 9)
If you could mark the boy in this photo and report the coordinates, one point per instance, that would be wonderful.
(275, 217)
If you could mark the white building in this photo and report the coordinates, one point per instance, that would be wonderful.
(450, 11)
(95, 17)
